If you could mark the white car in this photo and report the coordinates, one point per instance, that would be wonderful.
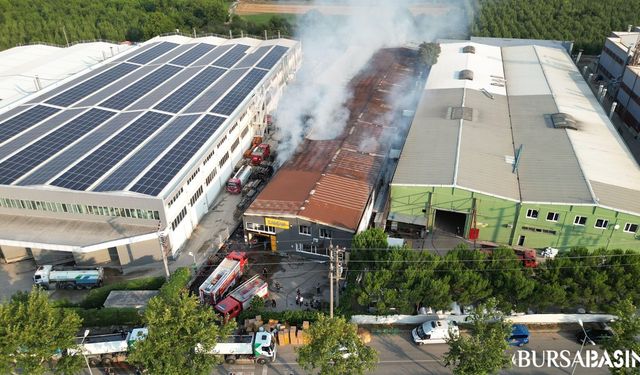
(435, 332)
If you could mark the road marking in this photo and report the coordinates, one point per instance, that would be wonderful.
(390, 361)
(264, 370)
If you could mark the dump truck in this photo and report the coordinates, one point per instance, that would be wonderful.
(259, 347)
(262, 172)
(68, 277)
(254, 143)
(240, 299)
(260, 153)
(107, 349)
(239, 179)
(225, 276)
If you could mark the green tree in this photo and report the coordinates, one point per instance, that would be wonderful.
(626, 327)
(32, 331)
(484, 350)
(335, 349)
(428, 53)
(177, 325)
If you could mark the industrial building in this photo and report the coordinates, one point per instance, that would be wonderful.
(119, 163)
(619, 48)
(333, 188)
(30, 68)
(509, 145)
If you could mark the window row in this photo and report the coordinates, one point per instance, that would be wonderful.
(211, 176)
(193, 176)
(175, 197)
(134, 213)
(206, 160)
(322, 233)
(221, 141)
(224, 159)
(260, 228)
(195, 196)
(179, 218)
(235, 144)
(580, 220)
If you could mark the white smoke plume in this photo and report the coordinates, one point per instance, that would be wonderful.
(336, 48)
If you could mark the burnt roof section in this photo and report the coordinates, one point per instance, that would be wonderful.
(331, 182)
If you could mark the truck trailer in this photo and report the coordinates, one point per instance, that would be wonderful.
(240, 299)
(107, 349)
(239, 179)
(259, 347)
(226, 274)
(68, 277)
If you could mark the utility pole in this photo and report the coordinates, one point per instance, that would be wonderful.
(337, 268)
(331, 280)
(163, 250)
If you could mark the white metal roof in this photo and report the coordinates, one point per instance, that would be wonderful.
(590, 165)
(20, 65)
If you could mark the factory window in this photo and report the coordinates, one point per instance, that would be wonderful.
(224, 159)
(539, 230)
(179, 218)
(601, 223)
(553, 216)
(532, 214)
(244, 131)
(211, 176)
(206, 160)
(466, 74)
(222, 141)
(580, 220)
(261, 228)
(305, 229)
(175, 197)
(325, 233)
(195, 196)
(234, 127)
(235, 144)
(630, 228)
(193, 176)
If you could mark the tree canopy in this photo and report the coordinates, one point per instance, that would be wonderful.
(32, 331)
(335, 348)
(429, 53)
(626, 328)
(178, 324)
(587, 22)
(483, 351)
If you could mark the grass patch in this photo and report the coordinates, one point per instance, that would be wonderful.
(96, 297)
(109, 317)
(264, 18)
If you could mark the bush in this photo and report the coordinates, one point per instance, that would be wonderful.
(177, 282)
(109, 317)
(96, 297)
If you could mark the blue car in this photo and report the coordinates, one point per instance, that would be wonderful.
(519, 335)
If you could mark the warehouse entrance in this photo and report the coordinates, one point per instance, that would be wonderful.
(451, 222)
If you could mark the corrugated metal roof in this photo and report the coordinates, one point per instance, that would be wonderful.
(429, 153)
(286, 192)
(609, 195)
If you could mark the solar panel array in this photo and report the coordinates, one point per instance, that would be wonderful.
(239, 92)
(22, 162)
(153, 53)
(90, 86)
(24, 121)
(172, 162)
(272, 57)
(134, 92)
(96, 164)
(138, 142)
(193, 54)
(181, 97)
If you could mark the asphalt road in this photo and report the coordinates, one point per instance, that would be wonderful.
(399, 355)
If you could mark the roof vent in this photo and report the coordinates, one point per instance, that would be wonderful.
(466, 74)
(461, 113)
(563, 121)
(469, 49)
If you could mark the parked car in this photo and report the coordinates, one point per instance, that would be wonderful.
(435, 332)
(519, 335)
(594, 336)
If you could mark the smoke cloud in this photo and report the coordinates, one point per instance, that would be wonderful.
(337, 47)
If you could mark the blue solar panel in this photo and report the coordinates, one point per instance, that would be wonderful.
(137, 90)
(88, 87)
(181, 97)
(153, 53)
(231, 57)
(203, 103)
(252, 58)
(193, 54)
(24, 161)
(232, 100)
(96, 164)
(132, 167)
(272, 57)
(25, 120)
(155, 180)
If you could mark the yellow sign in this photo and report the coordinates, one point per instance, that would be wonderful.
(274, 243)
(282, 224)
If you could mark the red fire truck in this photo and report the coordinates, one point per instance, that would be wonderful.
(240, 299)
(223, 277)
